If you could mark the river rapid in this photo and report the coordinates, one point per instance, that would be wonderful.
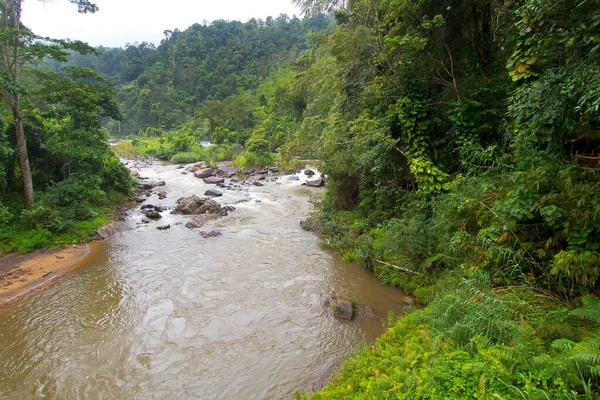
(153, 314)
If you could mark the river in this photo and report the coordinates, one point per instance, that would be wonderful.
(153, 314)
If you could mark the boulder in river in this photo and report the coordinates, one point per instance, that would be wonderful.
(309, 172)
(213, 180)
(343, 309)
(342, 305)
(198, 205)
(204, 173)
(195, 223)
(164, 227)
(315, 183)
(213, 193)
(161, 183)
(153, 215)
(227, 171)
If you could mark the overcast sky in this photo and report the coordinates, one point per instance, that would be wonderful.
(126, 21)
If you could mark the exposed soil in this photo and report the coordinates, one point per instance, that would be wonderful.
(21, 273)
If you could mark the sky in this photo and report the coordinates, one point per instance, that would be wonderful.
(127, 21)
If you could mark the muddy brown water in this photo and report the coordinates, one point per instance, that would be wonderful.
(156, 314)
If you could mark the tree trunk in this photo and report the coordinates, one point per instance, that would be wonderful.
(23, 157)
(11, 12)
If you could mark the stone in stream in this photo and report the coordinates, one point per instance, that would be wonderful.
(210, 234)
(342, 305)
(213, 180)
(227, 171)
(161, 183)
(247, 171)
(144, 206)
(195, 223)
(343, 309)
(153, 215)
(205, 173)
(315, 183)
(293, 178)
(196, 167)
(213, 193)
(162, 195)
(147, 185)
(164, 227)
(198, 205)
(309, 172)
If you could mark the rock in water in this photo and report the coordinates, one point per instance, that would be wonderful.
(315, 183)
(153, 215)
(309, 172)
(227, 171)
(210, 234)
(198, 205)
(213, 180)
(195, 223)
(205, 173)
(213, 193)
(343, 309)
(163, 227)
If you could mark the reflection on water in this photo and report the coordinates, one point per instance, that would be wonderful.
(169, 314)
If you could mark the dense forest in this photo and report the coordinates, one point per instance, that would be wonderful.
(459, 142)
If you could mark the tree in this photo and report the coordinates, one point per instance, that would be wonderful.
(20, 48)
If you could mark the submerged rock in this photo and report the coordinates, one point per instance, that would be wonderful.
(210, 234)
(213, 180)
(163, 227)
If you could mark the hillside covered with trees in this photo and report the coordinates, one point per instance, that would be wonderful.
(459, 140)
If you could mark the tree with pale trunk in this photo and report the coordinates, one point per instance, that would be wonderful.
(21, 48)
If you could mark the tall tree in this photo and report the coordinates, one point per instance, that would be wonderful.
(20, 47)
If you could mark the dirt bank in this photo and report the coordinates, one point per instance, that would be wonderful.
(21, 273)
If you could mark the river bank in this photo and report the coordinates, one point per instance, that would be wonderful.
(21, 273)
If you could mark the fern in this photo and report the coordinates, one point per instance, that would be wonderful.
(590, 309)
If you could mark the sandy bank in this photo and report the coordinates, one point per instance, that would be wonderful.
(21, 273)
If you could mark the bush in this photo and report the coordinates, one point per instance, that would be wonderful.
(254, 160)
(187, 157)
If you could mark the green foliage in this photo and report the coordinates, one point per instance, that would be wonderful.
(254, 159)
(473, 343)
(187, 157)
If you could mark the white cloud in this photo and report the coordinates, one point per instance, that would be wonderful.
(126, 21)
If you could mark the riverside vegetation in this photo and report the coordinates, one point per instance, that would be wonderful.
(448, 131)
